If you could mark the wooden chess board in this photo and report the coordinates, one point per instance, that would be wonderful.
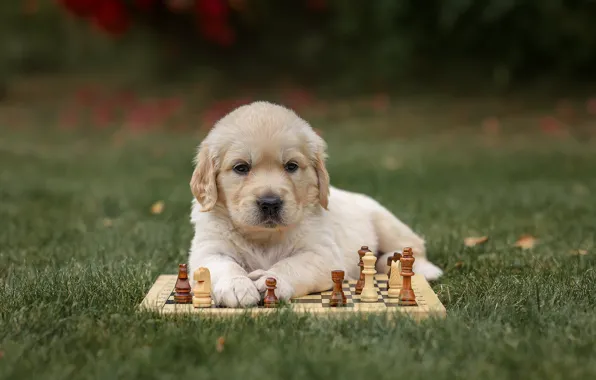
(160, 298)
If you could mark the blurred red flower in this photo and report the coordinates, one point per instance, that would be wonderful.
(218, 32)
(212, 9)
(491, 125)
(81, 8)
(316, 5)
(591, 106)
(212, 17)
(144, 5)
(550, 125)
(112, 17)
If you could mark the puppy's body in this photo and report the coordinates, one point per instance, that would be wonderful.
(264, 208)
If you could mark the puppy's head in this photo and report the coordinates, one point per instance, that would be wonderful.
(264, 164)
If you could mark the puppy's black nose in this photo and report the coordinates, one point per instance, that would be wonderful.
(270, 205)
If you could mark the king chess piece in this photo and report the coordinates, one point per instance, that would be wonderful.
(369, 293)
(183, 288)
(338, 298)
(406, 294)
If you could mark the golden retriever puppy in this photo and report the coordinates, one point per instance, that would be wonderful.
(263, 208)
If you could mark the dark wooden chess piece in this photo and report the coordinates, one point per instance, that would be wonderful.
(338, 298)
(360, 283)
(406, 294)
(270, 299)
(182, 294)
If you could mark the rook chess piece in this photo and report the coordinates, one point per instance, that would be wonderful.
(406, 294)
(360, 283)
(202, 289)
(182, 286)
(369, 293)
(270, 299)
(338, 298)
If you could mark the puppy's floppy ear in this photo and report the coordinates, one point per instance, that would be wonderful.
(203, 183)
(323, 179)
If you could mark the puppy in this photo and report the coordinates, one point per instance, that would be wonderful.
(264, 207)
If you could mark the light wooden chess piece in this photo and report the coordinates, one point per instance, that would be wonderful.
(395, 281)
(202, 289)
(369, 293)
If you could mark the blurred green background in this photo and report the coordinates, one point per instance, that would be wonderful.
(337, 46)
(465, 118)
(179, 64)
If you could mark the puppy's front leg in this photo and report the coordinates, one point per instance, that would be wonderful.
(230, 284)
(300, 274)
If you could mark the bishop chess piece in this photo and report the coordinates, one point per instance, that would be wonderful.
(369, 293)
(406, 294)
(202, 289)
(360, 283)
(270, 299)
(338, 298)
(182, 294)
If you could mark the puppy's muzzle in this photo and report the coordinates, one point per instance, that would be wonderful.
(270, 207)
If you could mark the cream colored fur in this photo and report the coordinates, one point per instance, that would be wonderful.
(322, 227)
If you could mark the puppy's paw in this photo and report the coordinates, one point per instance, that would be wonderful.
(237, 291)
(284, 290)
(429, 270)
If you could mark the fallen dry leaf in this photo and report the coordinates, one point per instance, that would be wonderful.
(392, 163)
(219, 345)
(580, 189)
(579, 252)
(475, 240)
(459, 264)
(157, 207)
(526, 242)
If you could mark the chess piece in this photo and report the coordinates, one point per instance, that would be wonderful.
(202, 289)
(360, 283)
(182, 286)
(390, 260)
(338, 298)
(270, 299)
(395, 282)
(406, 294)
(369, 293)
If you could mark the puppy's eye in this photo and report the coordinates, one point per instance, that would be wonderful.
(241, 168)
(291, 167)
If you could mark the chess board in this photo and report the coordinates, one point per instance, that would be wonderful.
(160, 298)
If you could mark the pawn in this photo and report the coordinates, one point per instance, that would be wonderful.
(270, 299)
(338, 298)
(183, 288)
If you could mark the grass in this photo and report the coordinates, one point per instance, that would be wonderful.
(79, 248)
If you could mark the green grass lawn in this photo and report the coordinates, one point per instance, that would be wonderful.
(79, 248)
